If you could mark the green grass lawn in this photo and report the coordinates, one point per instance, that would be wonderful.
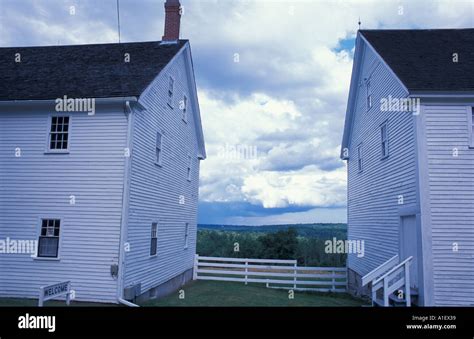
(231, 294)
(220, 293)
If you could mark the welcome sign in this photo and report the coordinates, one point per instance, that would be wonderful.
(55, 290)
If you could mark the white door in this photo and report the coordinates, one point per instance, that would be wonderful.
(409, 246)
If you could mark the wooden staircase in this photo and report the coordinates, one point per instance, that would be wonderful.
(390, 283)
(397, 299)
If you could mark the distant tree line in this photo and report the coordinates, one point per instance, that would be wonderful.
(285, 244)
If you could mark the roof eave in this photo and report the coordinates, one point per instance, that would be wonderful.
(36, 102)
(351, 99)
(441, 94)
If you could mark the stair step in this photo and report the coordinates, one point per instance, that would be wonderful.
(393, 301)
(413, 291)
(396, 300)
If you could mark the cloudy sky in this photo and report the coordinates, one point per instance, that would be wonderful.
(273, 80)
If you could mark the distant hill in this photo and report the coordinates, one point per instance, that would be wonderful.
(321, 231)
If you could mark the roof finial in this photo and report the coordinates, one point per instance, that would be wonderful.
(359, 22)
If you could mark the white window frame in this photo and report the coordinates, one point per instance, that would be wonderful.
(384, 143)
(170, 91)
(40, 228)
(154, 236)
(48, 148)
(470, 125)
(159, 149)
(189, 168)
(185, 109)
(369, 102)
(186, 234)
(360, 155)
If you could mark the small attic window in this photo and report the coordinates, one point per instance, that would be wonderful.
(184, 108)
(189, 173)
(170, 91)
(471, 127)
(159, 149)
(186, 234)
(384, 139)
(359, 158)
(369, 95)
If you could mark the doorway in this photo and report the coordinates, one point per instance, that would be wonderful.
(409, 246)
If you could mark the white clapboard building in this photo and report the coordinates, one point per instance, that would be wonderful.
(409, 145)
(100, 148)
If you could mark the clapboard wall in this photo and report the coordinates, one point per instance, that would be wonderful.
(155, 190)
(373, 193)
(450, 176)
(39, 185)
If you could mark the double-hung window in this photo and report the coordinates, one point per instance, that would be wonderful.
(58, 133)
(154, 238)
(48, 242)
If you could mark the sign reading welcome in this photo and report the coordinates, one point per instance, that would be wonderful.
(55, 290)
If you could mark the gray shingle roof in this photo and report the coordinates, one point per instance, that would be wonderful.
(423, 59)
(82, 71)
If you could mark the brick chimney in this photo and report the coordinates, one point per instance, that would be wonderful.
(172, 21)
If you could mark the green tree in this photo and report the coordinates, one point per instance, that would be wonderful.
(280, 245)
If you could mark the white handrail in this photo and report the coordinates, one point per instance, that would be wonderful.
(379, 270)
(384, 280)
(392, 270)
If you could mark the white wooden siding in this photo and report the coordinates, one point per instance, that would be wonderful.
(39, 185)
(451, 196)
(155, 190)
(373, 193)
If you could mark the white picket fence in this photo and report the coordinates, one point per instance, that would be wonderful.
(275, 273)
